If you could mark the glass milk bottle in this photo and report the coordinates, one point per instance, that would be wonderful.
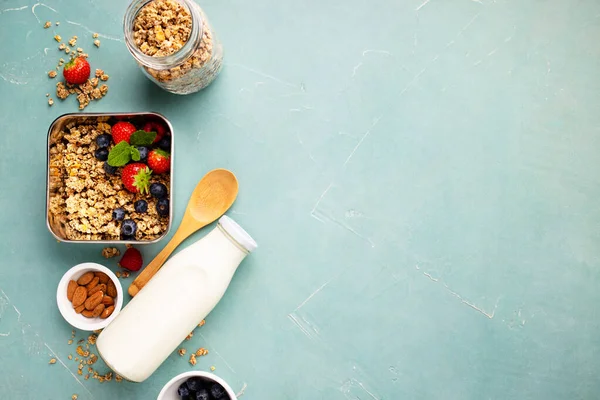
(173, 302)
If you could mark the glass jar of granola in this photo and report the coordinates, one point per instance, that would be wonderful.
(173, 43)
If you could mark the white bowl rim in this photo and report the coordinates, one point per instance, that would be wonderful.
(78, 321)
(203, 374)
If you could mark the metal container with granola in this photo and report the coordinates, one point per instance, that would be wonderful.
(109, 177)
(173, 43)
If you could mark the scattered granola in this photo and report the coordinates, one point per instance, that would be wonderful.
(57, 23)
(193, 359)
(62, 46)
(74, 397)
(202, 323)
(118, 378)
(50, 101)
(182, 351)
(92, 339)
(95, 35)
(52, 361)
(70, 341)
(47, 25)
(73, 41)
(52, 74)
(97, 43)
(212, 368)
(189, 336)
(109, 252)
(79, 50)
(104, 77)
(70, 357)
(57, 38)
(201, 352)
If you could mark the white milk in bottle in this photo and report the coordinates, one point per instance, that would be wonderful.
(171, 305)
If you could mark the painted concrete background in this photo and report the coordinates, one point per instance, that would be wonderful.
(422, 178)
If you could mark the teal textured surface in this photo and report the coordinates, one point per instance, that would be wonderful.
(421, 176)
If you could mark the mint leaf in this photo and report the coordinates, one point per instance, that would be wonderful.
(120, 154)
(142, 138)
(135, 154)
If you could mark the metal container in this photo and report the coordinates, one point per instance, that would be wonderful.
(57, 227)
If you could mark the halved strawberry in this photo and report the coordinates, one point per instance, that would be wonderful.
(159, 160)
(136, 177)
(122, 131)
(153, 126)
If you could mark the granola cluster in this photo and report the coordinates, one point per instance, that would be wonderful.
(85, 92)
(83, 196)
(162, 28)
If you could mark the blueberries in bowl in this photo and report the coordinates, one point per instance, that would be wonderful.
(162, 207)
(140, 206)
(118, 214)
(158, 190)
(101, 154)
(143, 153)
(128, 227)
(165, 143)
(196, 388)
(103, 140)
(109, 169)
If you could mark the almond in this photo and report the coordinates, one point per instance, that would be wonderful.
(107, 311)
(79, 309)
(111, 289)
(94, 300)
(87, 313)
(107, 300)
(92, 283)
(98, 310)
(85, 278)
(71, 289)
(96, 288)
(79, 296)
(102, 276)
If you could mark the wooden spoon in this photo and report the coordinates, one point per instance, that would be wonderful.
(211, 198)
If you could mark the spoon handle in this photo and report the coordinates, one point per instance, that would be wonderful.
(151, 269)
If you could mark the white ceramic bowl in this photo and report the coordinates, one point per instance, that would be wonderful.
(66, 308)
(169, 391)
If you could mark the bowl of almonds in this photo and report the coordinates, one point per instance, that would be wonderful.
(89, 296)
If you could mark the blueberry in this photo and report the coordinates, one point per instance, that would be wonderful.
(202, 394)
(101, 154)
(195, 384)
(140, 206)
(162, 207)
(143, 153)
(109, 169)
(217, 391)
(165, 143)
(158, 190)
(183, 390)
(118, 214)
(103, 140)
(128, 227)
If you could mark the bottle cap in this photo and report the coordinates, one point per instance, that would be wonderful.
(238, 233)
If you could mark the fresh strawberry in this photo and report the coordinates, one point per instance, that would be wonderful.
(122, 131)
(136, 177)
(131, 260)
(159, 160)
(153, 126)
(77, 71)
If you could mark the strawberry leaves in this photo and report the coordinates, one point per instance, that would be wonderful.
(124, 152)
